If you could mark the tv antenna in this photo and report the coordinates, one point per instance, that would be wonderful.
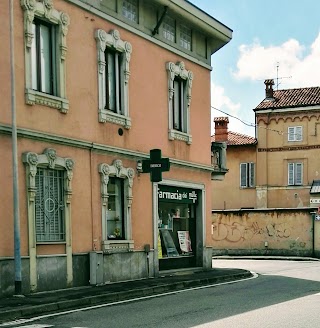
(280, 78)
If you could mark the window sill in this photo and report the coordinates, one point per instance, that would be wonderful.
(111, 117)
(178, 135)
(34, 97)
(117, 246)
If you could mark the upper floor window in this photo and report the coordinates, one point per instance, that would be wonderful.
(180, 84)
(113, 75)
(43, 54)
(45, 31)
(295, 171)
(295, 133)
(185, 37)
(130, 10)
(169, 29)
(247, 175)
(179, 105)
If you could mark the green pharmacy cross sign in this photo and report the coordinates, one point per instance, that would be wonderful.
(155, 165)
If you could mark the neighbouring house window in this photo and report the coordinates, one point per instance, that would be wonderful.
(180, 84)
(49, 202)
(169, 29)
(247, 175)
(295, 171)
(130, 10)
(295, 133)
(113, 76)
(185, 37)
(49, 196)
(45, 31)
(116, 198)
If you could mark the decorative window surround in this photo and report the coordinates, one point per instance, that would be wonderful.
(112, 40)
(117, 170)
(43, 9)
(179, 71)
(48, 159)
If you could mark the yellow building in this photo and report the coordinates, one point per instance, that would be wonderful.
(98, 84)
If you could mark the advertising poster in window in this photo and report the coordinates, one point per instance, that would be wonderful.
(184, 241)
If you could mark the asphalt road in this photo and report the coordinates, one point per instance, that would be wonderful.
(285, 294)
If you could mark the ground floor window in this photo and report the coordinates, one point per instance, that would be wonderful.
(176, 226)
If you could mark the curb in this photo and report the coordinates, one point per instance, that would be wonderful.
(263, 257)
(47, 308)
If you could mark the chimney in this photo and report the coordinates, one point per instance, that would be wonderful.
(269, 89)
(221, 128)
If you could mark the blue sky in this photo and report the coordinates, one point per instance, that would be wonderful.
(266, 34)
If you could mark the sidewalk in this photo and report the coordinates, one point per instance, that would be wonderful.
(36, 304)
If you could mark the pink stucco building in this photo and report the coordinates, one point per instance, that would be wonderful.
(98, 84)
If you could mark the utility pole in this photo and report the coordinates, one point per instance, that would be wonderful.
(17, 250)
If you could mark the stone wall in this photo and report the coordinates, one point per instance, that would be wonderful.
(286, 232)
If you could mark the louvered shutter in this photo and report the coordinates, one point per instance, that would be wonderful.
(243, 175)
(291, 132)
(290, 174)
(251, 174)
(298, 174)
(298, 135)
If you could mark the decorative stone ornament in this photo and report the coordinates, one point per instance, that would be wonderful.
(43, 9)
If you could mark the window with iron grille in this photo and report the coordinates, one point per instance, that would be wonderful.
(247, 175)
(130, 10)
(49, 205)
(295, 171)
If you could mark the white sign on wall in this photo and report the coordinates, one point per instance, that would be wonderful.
(315, 201)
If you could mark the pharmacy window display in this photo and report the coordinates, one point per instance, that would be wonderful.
(176, 226)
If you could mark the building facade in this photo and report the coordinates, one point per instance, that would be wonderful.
(240, 153)
(288, 146)
(97, 85)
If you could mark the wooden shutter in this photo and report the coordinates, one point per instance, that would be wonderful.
(243, 175)
(251, 174)
(298, 135)
(290, 174)
(298, 173)
(291, 132)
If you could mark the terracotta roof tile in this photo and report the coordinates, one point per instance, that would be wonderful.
(237, 139)
(291, 98)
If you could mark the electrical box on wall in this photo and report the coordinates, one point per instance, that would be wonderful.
(96, 268)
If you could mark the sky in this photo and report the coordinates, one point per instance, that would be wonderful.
(270, 39)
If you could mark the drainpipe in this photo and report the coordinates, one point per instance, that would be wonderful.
(17, 250)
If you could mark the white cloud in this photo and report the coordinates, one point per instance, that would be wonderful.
(301, 64)
(222, 104)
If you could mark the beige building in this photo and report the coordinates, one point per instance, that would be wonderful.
(268, 202)
(277, 169)
(98, 84)
(237, 189)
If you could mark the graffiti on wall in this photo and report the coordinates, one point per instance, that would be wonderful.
(237, 231)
